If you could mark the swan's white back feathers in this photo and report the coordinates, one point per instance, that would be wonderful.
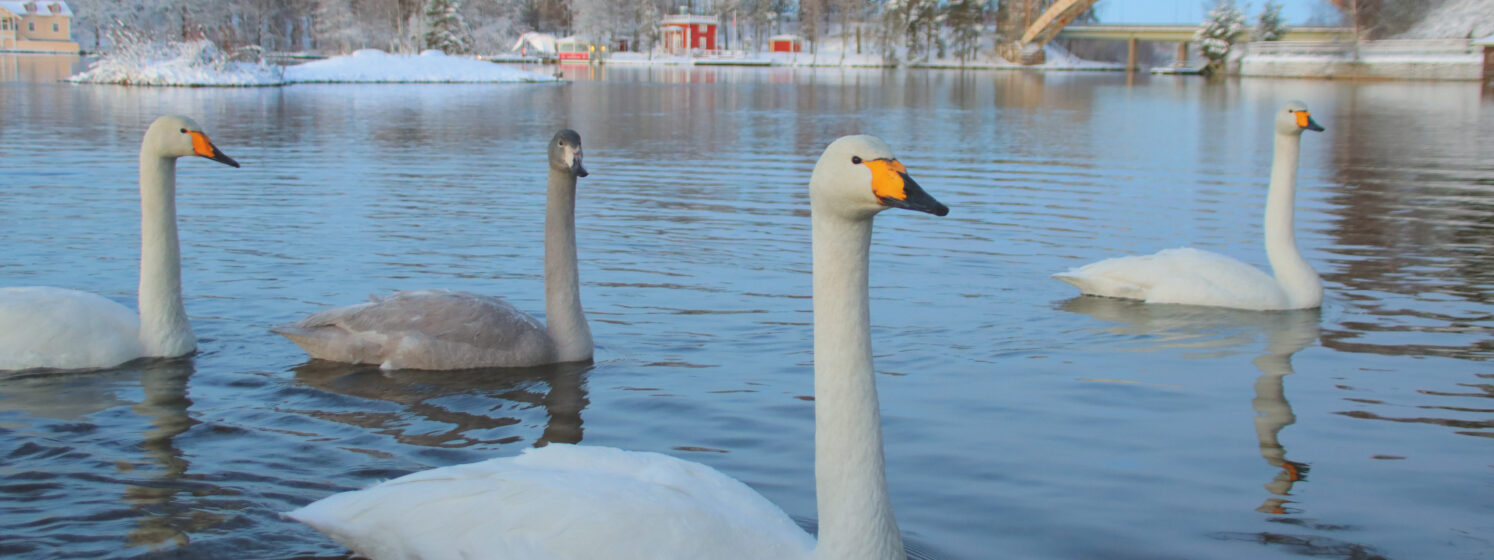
(425, 329)
(44, 327)
(561, 501)
(1183, 276)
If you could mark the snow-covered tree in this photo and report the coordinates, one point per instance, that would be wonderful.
(445, 29)
(334, 27)
(1217, 34)
(1268, 25)
(892, 26)
(966, 18)
(811, 12)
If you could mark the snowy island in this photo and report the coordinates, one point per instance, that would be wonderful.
(201, 63)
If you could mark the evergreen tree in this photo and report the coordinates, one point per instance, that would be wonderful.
(1268, 25)
(894, 23)
(445, 29)
(965, 20)
(1217, 34)
(923, 17)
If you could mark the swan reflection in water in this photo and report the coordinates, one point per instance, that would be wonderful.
(1221, 332)
(466, 403)
(68, 401)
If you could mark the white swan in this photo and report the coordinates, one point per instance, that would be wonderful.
(584, 502)
(1196, 277)
(57, 328)
(444, 330)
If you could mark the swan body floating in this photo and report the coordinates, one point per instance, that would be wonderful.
(445, 330)
(587, 502)
(1197, 277)
(57, 328)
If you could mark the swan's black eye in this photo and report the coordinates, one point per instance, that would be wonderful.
(184, 131)
(856, 160)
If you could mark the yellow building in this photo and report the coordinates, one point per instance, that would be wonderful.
(36, 26)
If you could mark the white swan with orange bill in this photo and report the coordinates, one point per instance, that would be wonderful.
(58, 328)
(1196, 277)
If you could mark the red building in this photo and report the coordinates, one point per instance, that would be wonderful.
(684, 32)
(785, 43)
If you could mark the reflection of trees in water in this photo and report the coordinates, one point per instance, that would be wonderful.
(1222, 332)
(464, 402)
(1415, 207)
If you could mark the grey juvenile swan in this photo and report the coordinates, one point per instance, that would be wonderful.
(58, 328)
(443, 329)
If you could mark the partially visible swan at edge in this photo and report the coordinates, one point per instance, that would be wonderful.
(587, 502)
(57, 328)
(444, 330)
(1197, 277)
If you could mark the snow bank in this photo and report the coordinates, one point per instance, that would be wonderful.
(1454, 19)
(194, 63)
(201, 63)
(376, 66)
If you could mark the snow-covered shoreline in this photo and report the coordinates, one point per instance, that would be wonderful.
(1056, 58)
(201, 64)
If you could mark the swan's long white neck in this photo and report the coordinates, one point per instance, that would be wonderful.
(855, 512)
(1296, 277)
(564, 318)
(164, 329)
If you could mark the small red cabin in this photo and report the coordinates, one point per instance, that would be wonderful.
(786, 43)
(684, 32)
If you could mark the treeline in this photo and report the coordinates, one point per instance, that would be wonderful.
(897, 29)
(913, 28)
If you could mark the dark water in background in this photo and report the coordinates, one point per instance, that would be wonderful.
(1021, 422)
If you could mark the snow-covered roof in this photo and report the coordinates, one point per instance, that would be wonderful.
(1486, 41)
(786, 37)
(573, 39)
(688, 19)
(43, 7)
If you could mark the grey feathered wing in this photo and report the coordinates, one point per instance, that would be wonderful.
(425, 329)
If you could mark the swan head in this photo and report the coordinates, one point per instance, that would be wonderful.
(177, 136)
(1294, 118)
(565, 153)
(858, 176)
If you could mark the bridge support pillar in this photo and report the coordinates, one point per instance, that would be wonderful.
(1488, 64)
(1131, 53)
(1182, 59)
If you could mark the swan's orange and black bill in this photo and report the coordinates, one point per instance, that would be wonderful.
(205, 148)
(1304, 120)
(893, 187)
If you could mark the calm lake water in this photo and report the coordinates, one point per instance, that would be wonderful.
(1021, 422)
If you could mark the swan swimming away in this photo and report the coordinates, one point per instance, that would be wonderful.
(445, 330)
(588, 502)
(58, 328)
(1196, 277)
